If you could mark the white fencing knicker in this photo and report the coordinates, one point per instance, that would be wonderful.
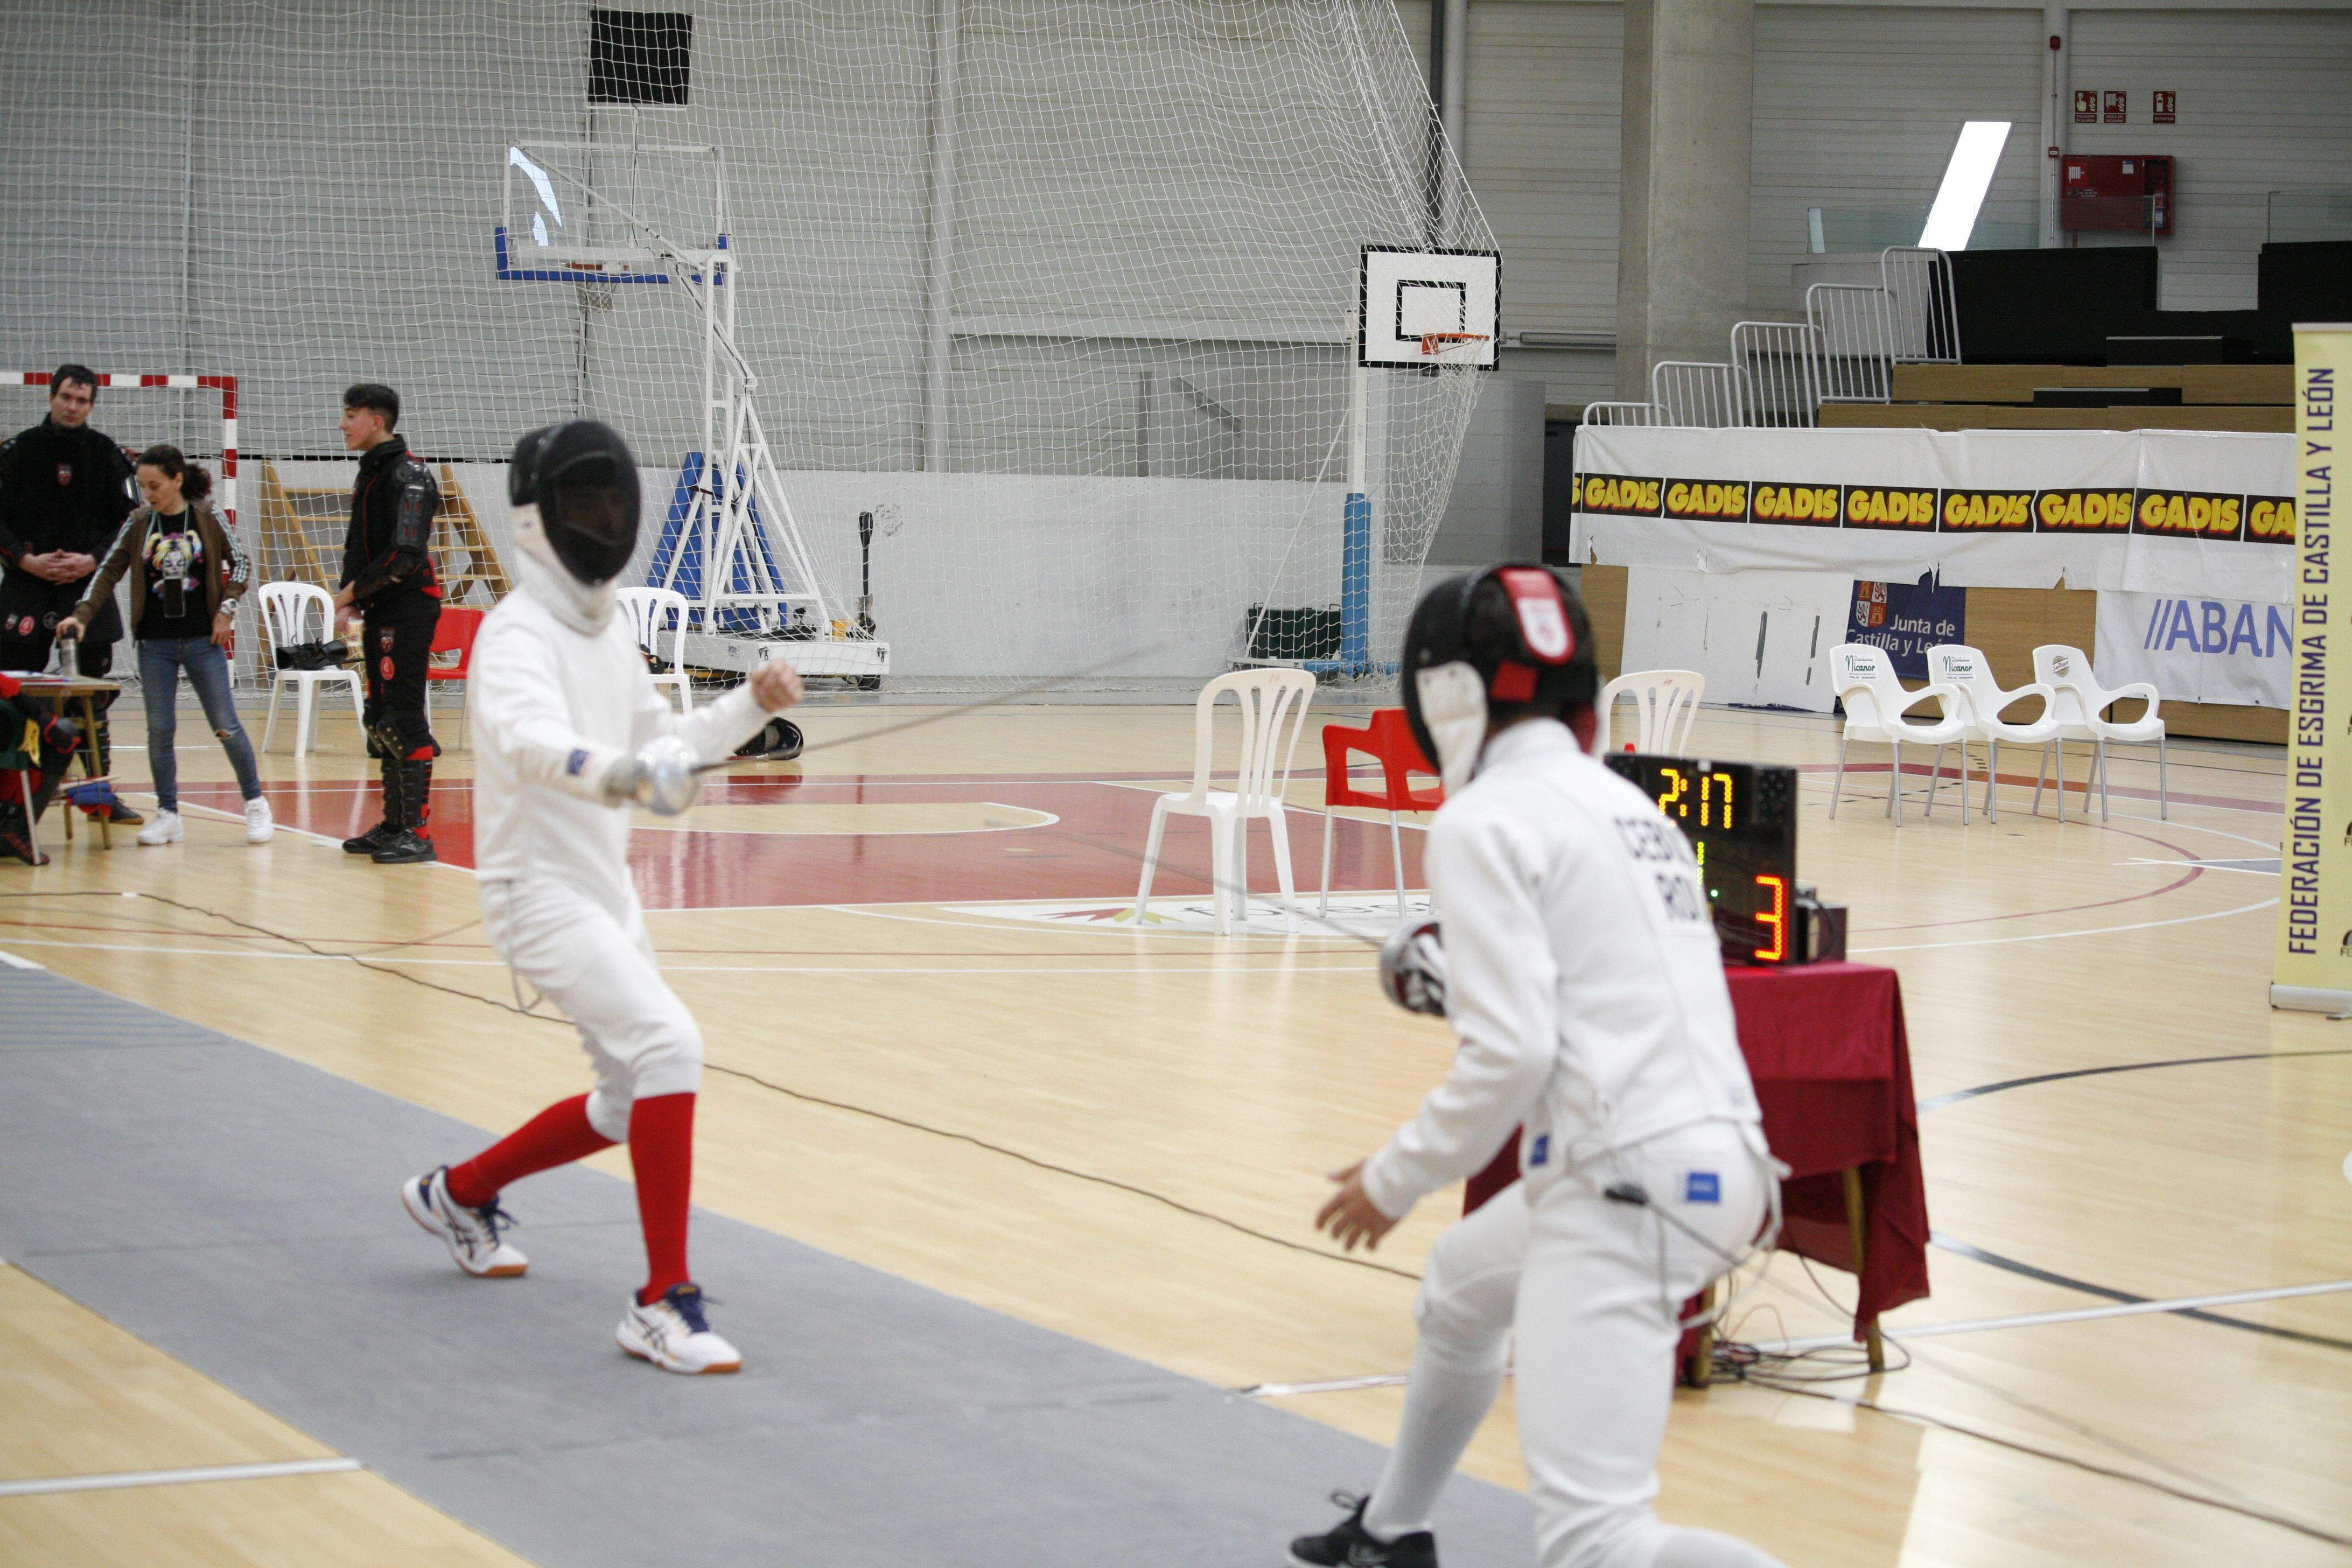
(1593, 1288)
(599, 968)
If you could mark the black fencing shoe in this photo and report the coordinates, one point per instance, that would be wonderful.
(374, 839)
(1349, 1546)
(405, 849)
(385, 831)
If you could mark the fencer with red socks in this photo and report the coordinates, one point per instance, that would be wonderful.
(571, 732)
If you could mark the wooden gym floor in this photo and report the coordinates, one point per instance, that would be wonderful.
(940, 1055)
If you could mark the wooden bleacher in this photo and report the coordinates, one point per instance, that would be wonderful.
(301, 539)
(2250, 397)
(2199, 384)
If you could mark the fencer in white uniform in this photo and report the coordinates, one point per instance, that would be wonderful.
(570, 731)
(1580, 968)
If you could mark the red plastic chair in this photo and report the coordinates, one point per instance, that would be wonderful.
(1388, 739)
(454, 634)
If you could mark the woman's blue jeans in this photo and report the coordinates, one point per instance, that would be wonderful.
(161, 659)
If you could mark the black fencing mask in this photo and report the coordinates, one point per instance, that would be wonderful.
(583, 480)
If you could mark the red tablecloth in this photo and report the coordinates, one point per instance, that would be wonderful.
(1831, 1065)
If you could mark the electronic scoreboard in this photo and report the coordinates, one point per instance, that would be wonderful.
(1741, 821)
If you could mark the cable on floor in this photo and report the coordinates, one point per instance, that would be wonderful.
(801, 1095)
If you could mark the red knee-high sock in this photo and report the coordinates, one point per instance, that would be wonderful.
(661, 1152)
(556, 1136)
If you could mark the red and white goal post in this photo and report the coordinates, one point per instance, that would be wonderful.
(224, 384)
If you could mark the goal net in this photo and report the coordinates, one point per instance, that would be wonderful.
(1065, 293)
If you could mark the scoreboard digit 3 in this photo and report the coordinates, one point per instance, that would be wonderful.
(1741, 821)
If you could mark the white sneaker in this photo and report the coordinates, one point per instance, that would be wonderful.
(164, 827)
(675, 1336)
(259, 824)
(472, 1233)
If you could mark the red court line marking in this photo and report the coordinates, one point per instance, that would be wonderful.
(1086, 856)
(894, 781)
(362, 944)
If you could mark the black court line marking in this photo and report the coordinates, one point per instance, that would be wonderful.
(2048, 1277)
(2067, 1281)
(1938, 1101)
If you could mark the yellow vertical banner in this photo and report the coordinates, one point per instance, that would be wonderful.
(2314, 969)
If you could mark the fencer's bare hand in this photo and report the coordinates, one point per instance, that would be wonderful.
(49, 565)
(776, 685)
(345, 619)
(72, 567)
(1351, 1217)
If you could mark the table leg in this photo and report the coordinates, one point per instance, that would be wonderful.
(32, 823)
(1856, 1223)
(1699, 1372)
(89, 770)
(67, 812)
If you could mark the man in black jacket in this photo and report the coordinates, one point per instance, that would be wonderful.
(65, 489)
(389, 586)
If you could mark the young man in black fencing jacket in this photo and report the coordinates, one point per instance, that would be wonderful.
(390, 586)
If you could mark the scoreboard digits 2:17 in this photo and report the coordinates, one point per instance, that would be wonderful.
(1741, 821)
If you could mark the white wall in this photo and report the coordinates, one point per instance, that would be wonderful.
(1858, 105)
(1861, 105)
(2265, 103)
(1083, 569)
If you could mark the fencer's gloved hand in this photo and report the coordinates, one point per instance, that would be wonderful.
(1412, 969)
(660, 775)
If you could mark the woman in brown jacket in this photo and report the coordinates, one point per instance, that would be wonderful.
(187, 576)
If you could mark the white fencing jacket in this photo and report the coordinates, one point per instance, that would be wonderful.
(1586, 982)
(560, 694)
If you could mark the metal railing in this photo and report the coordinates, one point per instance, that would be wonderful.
(1857, 340)
(1924, 318)
(1621, 413)
(1844, 350)
(1781, 362)
(1699, 393)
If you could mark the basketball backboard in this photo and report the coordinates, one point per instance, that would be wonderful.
(624, 212)
(1423, 309)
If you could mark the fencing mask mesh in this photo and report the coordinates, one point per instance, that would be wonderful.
(581, 477)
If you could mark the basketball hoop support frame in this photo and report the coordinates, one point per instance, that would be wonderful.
(740, 499)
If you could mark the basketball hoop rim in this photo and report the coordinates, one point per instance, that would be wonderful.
(1434, 344)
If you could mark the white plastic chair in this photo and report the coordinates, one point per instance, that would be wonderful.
(1956, 664)
(1273, 707)
(1665, 704)
(2081, 705)
(286, 618)
(651, 611)
(1874, 701)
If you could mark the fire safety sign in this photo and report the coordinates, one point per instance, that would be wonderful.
(2086, 106)
(2167, 110)
(2115, 111)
